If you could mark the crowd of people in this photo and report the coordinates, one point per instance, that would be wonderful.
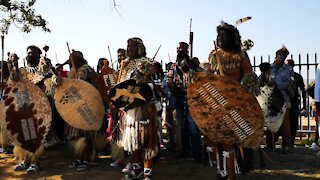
(132, 129)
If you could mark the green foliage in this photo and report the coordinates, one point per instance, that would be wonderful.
(22, 15)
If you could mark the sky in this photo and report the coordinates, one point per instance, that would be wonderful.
(92, 26)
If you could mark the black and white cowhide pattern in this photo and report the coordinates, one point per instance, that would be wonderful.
(273, 107)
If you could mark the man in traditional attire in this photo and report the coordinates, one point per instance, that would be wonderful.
(38, 71)
(140, 135)
(234, 64)
(81, 142)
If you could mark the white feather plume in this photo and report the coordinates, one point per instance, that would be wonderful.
(242, 20)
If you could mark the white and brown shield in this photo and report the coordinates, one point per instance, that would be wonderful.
(79, 104)
(27, 114)
(226, 112)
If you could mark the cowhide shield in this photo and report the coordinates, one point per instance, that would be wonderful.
(106, 81)
(226, 112)
(27, 114)
(129, 94)
(273, 107)
(79, 104)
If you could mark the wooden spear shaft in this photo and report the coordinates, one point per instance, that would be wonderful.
(110, 57)
(72, 62)
(156, 52)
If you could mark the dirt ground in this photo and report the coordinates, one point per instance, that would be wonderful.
(300, 164)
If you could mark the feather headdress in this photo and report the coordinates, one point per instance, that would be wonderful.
(242, 20)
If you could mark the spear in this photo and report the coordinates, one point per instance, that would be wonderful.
(191, 39)
(156, 52)
(110, 57)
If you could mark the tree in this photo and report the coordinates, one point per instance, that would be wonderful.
(22, 15)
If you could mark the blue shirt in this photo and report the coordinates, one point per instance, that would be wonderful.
(282, 75)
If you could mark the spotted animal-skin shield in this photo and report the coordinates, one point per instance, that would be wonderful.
(79, 104)
(226, 112)
(129, 94)
(27, 114)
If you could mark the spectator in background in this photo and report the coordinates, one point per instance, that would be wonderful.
(265, 69)
(121, 54)
(60, 71)
(294, 113)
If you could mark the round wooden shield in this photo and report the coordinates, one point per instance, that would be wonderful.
(28, 114)
(129, 94)
(79, 104)
(106, 81)
(272, 104)
(225, 111)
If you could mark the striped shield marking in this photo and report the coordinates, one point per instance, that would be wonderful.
(109, 80)
(28, 129)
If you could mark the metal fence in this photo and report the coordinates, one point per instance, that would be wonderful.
(306, 66)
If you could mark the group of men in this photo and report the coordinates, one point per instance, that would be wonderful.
(137, 138)
(136, 130)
